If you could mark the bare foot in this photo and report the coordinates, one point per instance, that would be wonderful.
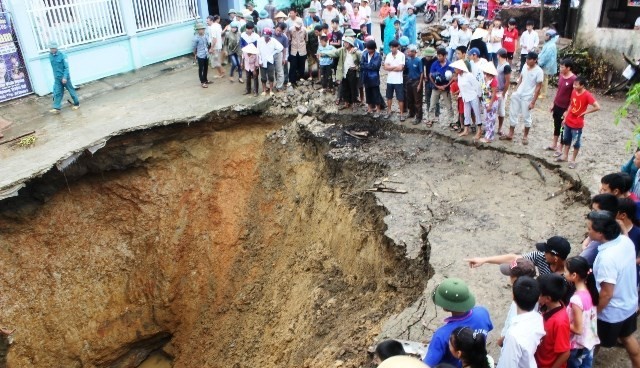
(6, 332)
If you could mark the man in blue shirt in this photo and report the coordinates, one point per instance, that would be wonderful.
(413, 65)
(438, 77)
(61, 78)
(453, 295)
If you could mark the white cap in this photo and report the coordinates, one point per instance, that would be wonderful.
(328, 2)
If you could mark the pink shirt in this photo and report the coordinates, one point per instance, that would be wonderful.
(356, 20)
(250, 62)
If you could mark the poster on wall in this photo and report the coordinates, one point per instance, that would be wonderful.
(634, 3)
(14, 82)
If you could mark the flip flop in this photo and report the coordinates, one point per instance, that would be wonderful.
(525, 141)
(560, 159)
(506, 138)
(549, 148)
(557, 154)
(572, 165)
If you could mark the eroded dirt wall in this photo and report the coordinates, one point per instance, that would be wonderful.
(243, 251)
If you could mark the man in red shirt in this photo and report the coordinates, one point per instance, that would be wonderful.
(510, 39)
(573, 119)
(561, 102)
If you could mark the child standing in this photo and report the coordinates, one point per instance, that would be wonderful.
(398, 30)
(573, 119)
(326, 64)
(455, 95)
(251, 66)
(554, 349)
(491, 101)
(582, 312)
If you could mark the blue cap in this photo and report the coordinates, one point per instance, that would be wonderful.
(404, 41)
(234, 24)
(474, 51)
(52, 45)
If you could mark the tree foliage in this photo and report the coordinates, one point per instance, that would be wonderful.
(632, 102)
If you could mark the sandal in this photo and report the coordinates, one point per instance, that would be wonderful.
(560, 159)
(525, 141)
(454, 126)
(506, 138)
(572, 165)
(240, 80)
(549, 148)
(429, 124)
(557, 154)
(204, 85)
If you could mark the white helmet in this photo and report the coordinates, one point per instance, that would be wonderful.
(448, 74)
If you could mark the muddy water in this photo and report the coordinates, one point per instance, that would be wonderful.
(156, 360)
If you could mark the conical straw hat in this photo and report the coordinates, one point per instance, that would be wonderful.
(250, 49)
(459, 64)
(489, 68)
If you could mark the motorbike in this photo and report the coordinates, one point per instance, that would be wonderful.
(428, 7)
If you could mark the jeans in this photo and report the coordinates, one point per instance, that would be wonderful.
(570, 135)
(203, 69)
(58, 93)
(493, 57)
(580, 358)
(235, 64)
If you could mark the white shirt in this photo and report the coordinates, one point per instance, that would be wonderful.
(266, 50)
(529, 41)
(616, 264)
(403, 9)
(365, 12)
(316, 4)
(464, 37)
(476, 69)
(348, 62)
(521, 341)
(496, 33)
(215, 31)
(454, 38)
(637, 22)
(530, 78)
(394, 77)
(329, 15)
(469, 87)
(349, 7)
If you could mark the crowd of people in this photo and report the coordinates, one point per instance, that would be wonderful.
(564, 309)
(470, 78)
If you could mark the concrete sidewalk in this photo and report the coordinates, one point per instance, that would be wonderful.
(156, 95)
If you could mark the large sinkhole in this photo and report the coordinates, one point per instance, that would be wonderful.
(235, 242)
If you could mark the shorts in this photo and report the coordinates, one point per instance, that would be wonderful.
(214, 58)
(466, 5)
(398, 88)
(610, 332)
(509, 55)
(502, 107)
(267, 73)
(571, 135)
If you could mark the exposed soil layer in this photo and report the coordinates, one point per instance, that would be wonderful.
(227, 247)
